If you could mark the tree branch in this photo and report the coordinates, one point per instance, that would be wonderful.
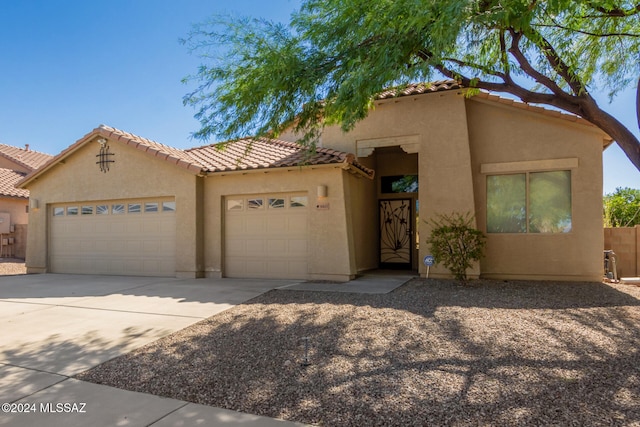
(617, 12)
(638, 103)
(587, 33)
(529, 69)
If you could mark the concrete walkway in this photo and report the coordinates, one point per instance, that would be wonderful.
(55, 326)
(374, 282)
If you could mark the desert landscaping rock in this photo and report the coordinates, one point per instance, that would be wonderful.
(432, 352)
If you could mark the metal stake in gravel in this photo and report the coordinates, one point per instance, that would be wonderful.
(305, 360)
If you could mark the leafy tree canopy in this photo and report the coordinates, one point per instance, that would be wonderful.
(326, 66)
(622, 208)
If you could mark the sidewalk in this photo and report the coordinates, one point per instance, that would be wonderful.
(45, 399)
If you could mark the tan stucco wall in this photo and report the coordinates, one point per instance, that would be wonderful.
(16, 207)
(435, 124)
(361, 206)
(330, 256)
(455, 136)
(134, 174)
(501, 135)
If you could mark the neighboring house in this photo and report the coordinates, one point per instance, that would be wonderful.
(116, 203)
(15, 163)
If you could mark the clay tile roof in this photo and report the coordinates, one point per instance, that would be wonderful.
(263, 153)
(28, 159)
(419, 88)
(166, 152)
(8, 180)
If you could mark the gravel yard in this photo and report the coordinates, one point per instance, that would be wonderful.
(432, 352)
(12, 266)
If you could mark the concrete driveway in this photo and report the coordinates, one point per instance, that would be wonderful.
(55, 326)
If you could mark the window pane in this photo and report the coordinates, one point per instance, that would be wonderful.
(117, 209)
(102, 209)
(134, 208)
(168, 206)
(58, 211)
(72, 210)
(254, 204)
(151, 207)
(506, 204)
(87, 210)
(276, 203)
(298, 201)
(550, 202)
(234, 205)
(399, 184)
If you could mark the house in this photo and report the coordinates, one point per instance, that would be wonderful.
(116, 203)
(15, 163)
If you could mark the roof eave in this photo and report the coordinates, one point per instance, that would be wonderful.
(100, 131)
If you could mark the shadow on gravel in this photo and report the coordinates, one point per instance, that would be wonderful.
(431, 353)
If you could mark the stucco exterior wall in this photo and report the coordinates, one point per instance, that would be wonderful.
(360, 196)
(133, 174)
(523, 141)
(453, 137)
(435, 127)
(16, 207)
(330, 255)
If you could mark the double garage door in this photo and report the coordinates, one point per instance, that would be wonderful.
(123, 237)
(266, 236)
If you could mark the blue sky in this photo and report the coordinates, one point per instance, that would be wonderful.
(67, 66)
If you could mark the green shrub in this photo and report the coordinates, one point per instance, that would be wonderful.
(455, 243)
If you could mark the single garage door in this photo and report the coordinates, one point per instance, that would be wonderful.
(266, 236)
(125, 237)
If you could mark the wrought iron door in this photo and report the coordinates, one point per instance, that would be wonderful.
(396, 233)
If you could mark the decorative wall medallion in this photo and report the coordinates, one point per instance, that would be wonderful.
(104, 158)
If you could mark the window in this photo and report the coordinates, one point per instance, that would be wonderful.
(151, 207)
(72, 210)
(87, 210)
(234, 204)
(253, 204)
(276, 203)
(134, 208)
(399, 184)
(298, 202)
(534, 202)
(168, 206)
(58, 211)
(117, 209)
(102, 209)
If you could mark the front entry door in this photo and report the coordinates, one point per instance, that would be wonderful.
(396, 233)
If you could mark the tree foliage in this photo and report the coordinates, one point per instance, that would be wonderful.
(622, 208)
(335, 55)
(456, 243)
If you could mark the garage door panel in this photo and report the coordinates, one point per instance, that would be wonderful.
(255, 247)
(277, 224)
(298, 246)
(298, 224)
(235, 224)
(267, 242)
(255, 225)
(127, 244)
(277, 247)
